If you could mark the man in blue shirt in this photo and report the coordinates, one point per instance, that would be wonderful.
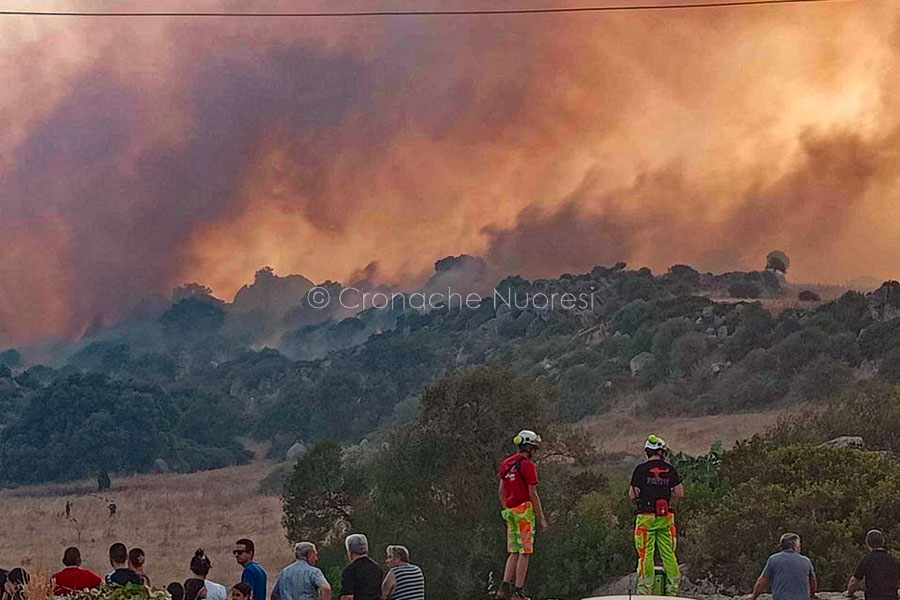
(791, 574)
(254, 575)
(302, 580)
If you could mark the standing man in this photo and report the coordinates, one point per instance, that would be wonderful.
(519, 503)
(361, 579)
(791, 574)
(253, 575)
(302, 580)
(880, 570)
(404, 581)
(656, 488)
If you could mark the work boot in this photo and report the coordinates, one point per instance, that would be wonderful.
(519, 594)
(504, 592)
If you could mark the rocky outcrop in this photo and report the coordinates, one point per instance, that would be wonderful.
(884, 303)
(296, 451)
(845, 441)
(641, 362)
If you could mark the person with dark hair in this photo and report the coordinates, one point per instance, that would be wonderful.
(253, 575)
(790, 573)
(14, 588)
(880, 570)
(121, 575)
(73, 577)
(200, 566)
(194, 589)
(3, 574)
(176, 590)
(136, 561)
(240, 591)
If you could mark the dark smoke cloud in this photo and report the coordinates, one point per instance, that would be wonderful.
(140, 157)
(128, 210)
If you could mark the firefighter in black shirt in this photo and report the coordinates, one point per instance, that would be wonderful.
(655, 488)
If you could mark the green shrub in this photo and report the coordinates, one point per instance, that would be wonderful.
(688, 350)
(823, 378)
(581, 392)
(831, 497)
(868, 409)
(889, 368)
(879, 339)
(798, 349)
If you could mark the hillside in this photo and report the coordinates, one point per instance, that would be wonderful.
(678, 344)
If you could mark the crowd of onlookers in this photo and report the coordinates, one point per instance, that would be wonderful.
(362, 579)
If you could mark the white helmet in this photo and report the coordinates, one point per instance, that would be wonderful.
(655, 443)
(526, 437)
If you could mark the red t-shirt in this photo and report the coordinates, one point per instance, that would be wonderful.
(71, 579)
(516, 479)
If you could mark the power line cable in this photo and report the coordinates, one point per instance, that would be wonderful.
(421, 13)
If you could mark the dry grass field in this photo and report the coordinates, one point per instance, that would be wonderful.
(621, 430)
(169, 516)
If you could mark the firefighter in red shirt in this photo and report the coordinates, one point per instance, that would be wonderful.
(520, 505)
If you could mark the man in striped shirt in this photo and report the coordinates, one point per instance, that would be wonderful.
(404, 581)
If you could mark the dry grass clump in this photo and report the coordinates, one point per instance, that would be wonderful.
(39, 586)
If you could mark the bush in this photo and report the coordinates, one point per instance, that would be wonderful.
(667, 333)
(798, 349)
(808, 296)
(823, 378)
(889, 368)
(688, 350)
(737, 389)
(843, 346)
(753, 329)
(851, 310)
(10, 358)
(831, 497)
(581, 393)
(744, 289)
(868, 409)
(879, 339)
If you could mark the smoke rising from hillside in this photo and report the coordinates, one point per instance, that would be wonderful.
(140, 156)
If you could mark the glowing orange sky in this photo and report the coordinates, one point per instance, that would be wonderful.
(140, 154)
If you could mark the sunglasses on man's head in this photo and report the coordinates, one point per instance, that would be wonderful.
(236, 552)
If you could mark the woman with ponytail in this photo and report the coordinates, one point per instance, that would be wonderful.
(200, 566)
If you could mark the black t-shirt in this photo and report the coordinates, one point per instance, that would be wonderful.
(882, 574)
(362, 579)
(655, 478)
(124, 577)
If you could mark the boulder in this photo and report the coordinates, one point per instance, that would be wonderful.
(641, 362)
(160, 466)
(296, 451)
(718, 367)
(845, 441)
